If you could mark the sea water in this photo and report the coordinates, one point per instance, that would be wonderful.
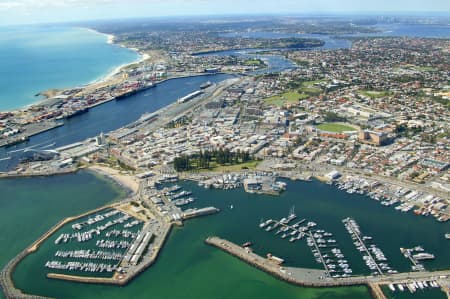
(34, 59)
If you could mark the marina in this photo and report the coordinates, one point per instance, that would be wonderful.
(112, 244)
(98, 243)
(401, 198)
(416, 255)
(323, 247)
(248, 210)
(316, 278)
(372, 255)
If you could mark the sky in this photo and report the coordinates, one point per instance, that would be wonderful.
(48, 11)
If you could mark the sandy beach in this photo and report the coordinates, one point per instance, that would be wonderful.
(125, 180)
(103, 80)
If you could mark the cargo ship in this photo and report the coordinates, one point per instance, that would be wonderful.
(15, 141)
(77, 112)
(135, 91)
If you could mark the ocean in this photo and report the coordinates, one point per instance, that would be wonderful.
(37, 58)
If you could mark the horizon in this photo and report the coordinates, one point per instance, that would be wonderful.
(23, 12)
(312, 15)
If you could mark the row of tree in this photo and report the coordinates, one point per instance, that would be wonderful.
(204, 158)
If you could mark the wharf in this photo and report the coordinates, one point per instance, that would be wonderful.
(14, 174)
(327, 271)
(30, 130)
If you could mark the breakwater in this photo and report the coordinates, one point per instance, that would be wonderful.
(299, 276)
(316, 278)
(6, 281)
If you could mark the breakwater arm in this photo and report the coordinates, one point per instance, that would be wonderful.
(298, 276)
(316, 278)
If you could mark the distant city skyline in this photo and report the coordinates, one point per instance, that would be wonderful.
(48, 11)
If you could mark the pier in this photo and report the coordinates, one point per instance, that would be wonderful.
(356, 235)
(29, 131)
(374, 256)
(327, 271)
(317, 278)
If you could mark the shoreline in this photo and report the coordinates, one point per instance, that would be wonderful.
(110, 40)
(101, 79)
(128, 182)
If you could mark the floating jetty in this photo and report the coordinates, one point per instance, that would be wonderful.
(416, 255)
(323, 247)
(372, 255)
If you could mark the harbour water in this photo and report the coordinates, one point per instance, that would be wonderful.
(38, 58)
(188, 268)
(109, 116)
(29, 207)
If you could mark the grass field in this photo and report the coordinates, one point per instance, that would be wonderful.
(254, 62)
(286, 98)
(309, 88)
(335, 128)
(214, 167)
(230, 168)
(376, 94)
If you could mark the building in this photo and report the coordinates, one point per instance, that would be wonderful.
(333, 175)
(435, 164)
(374, 138)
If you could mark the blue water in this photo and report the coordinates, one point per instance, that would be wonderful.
(275, 63)
(37, 58)
(413, 30)
(108, 117)
(334, 42)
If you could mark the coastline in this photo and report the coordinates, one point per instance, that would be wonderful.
(109, 74)
(110, 38)
(126, 181)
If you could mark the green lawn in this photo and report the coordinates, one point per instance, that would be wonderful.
(376, 94)
(254, 62)
(215, 167)
(230, 168)
(286, 98)
(314, 91)
(312, 83)
(310, 89)
(335, 128)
